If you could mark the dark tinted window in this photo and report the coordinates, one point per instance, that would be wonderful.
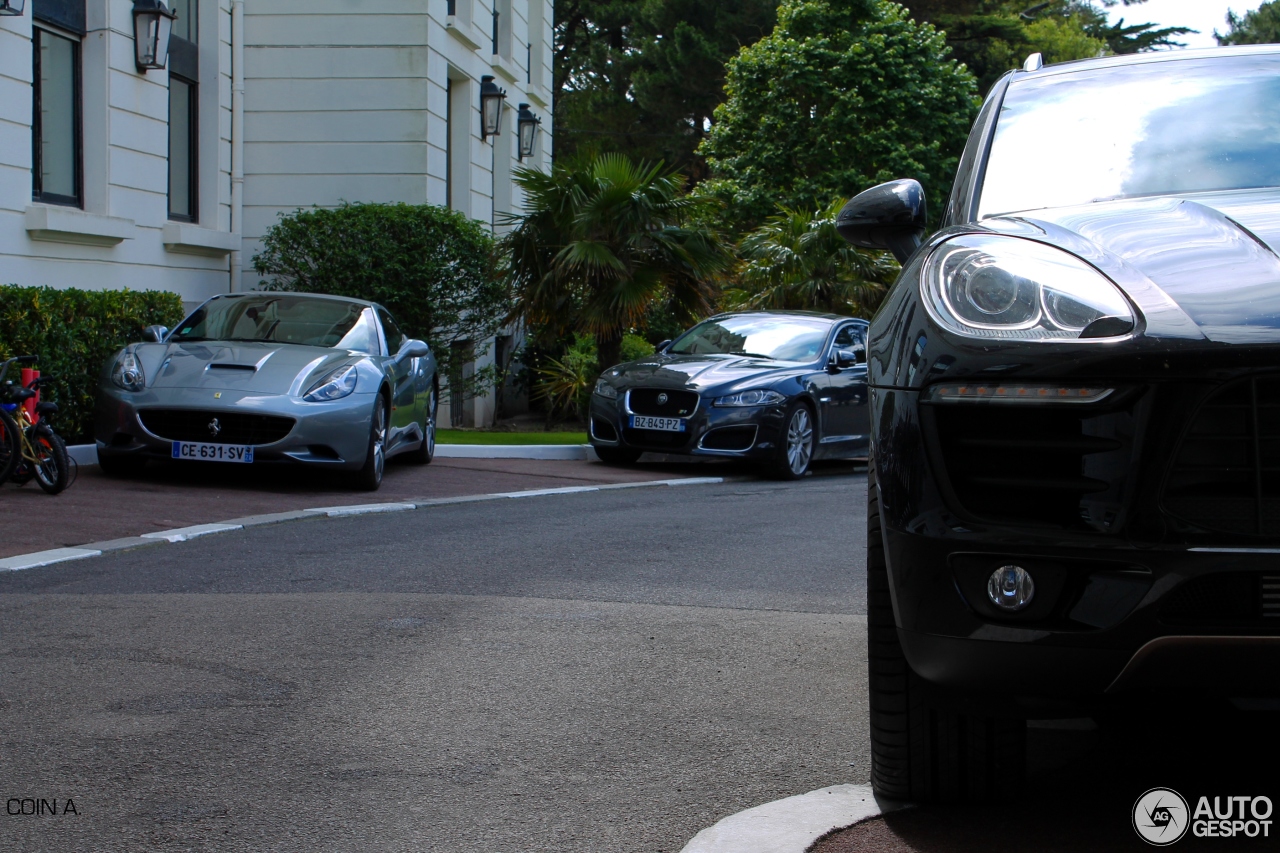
(782, 338)
(1176, 126)
(848, 336)
(283, 319)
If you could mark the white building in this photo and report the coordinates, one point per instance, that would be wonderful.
(114, 177)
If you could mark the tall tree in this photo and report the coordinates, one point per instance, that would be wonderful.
(644, 76)
(601, 241)
(1261, 26)
(841, 95)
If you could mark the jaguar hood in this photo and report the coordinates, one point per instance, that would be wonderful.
(697, 372)
(257, 368)
(1203, 265)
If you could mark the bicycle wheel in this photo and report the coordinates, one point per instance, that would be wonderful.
(52, 469)
(10, 445)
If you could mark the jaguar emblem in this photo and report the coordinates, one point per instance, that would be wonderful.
(662, 399)
(214, 427)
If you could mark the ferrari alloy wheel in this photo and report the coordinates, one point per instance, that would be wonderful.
(427, 449)
(925, 745)
(796, 451)
(375, 463)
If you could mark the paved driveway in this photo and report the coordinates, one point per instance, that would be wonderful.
(588, 672)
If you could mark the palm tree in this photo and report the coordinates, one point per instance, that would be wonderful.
(603, 239)
(797, 260)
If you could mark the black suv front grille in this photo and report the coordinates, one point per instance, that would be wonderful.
(1226, 474)
(678, 404)
(232, 427)
(1056, 464)
(1224, 599)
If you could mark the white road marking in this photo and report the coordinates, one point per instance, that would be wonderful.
(182, 534)
(362, 509)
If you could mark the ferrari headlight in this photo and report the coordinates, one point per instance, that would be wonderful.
(752, 398)
(991, 286)
(334, 386)
(604, 389)
(127, 372)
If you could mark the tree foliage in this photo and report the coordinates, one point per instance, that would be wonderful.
(1261, 26)
(797, 261)
(603, 239)
(843, 94)
(643, 76)
(75, 332)
(433, 268)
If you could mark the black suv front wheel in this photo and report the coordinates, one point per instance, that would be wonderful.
(926, 745)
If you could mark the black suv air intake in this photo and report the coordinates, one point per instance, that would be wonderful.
(1226, 474)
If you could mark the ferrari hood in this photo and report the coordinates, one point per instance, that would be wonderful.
(259, 368)
(1213, 254)
(692, 371)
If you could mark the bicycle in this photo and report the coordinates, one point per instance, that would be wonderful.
(30, 448)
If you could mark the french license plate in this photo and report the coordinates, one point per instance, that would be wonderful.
(212, 452)
(664, 424)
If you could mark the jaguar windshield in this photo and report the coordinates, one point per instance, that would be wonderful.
(1166, 127)
(759, 335)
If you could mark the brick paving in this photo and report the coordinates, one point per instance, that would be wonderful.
(97, 508)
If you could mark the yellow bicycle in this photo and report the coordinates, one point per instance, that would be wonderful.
(29, 448)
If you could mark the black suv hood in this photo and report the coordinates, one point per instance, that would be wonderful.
(1201, 265)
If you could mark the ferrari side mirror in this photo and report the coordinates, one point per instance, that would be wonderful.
(154, 334)
(413, 349)
(889, 216)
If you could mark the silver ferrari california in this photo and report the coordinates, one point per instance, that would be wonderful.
(262, 378)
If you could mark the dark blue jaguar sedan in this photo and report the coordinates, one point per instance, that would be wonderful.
(781, 388)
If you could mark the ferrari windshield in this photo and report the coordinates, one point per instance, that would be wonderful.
(284, 319)
(1177, 126)
(761, 335)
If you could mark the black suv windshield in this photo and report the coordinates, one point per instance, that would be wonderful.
(1178, 126)
(282, 319)
(780, 338)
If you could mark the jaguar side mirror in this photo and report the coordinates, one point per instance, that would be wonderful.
(662, 347)
(413, 348)
(843, 358)
(154, 334)
(889, 216)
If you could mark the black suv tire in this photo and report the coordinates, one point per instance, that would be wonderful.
(926, 746)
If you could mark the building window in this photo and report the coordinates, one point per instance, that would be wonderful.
(56, 172)
(184, 102)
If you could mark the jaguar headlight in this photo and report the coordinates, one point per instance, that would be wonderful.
(604, 389)
(127, 372)
(752, 398)
(336, 385)
(992, 286)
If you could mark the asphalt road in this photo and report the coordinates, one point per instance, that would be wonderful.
(603, 671)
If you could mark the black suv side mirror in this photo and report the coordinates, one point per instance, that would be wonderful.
(889, 216)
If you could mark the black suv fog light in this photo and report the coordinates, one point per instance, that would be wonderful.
(1011, 588)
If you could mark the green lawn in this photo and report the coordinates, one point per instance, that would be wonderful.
(467, 436)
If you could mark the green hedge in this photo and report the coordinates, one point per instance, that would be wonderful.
(74, 332)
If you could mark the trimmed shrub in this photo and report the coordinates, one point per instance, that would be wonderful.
(433, 268)
(74, 332)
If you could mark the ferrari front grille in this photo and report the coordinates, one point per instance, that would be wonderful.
(215, 427)
(1225, 476)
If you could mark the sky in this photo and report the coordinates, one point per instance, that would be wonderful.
(1203, 15)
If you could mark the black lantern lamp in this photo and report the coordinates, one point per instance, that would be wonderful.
(152, 23)
(528, 124)
(491, 98)
(11, 7)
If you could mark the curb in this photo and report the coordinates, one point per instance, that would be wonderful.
(794, 824)
(38, 559)
(87, 454)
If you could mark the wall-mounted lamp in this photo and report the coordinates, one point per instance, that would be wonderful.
(528, 124)
(152, 23)
(491, 98)
(11, 7)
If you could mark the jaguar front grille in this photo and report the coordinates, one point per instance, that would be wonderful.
(662, 404)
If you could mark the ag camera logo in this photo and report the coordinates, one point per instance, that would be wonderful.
(1160, 816)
